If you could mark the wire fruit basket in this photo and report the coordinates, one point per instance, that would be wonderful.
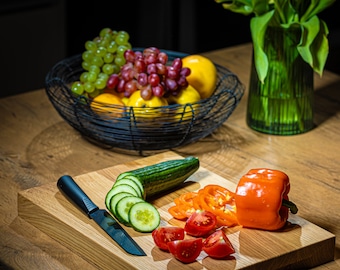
(130, 128)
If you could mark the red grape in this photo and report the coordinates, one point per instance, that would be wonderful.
(148, 72)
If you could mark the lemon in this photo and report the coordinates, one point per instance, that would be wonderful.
(203, 74)
(103, 103)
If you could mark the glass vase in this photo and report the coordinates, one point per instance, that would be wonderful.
(283, 104)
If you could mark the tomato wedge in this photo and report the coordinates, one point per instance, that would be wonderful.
(217, 245)
(186, 250)
(162, 235)
(200, 223)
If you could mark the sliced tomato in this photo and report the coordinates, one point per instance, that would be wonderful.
(186, 250)
(162, 235)
(200, 223)
(217, 245)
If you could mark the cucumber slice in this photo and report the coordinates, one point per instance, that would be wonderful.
(114, 200)
(118, 189)
(144, 217)
(130, 183)
(123, 207)
(133, 178)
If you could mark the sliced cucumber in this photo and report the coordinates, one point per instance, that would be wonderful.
(118, 189)
(123, 207)
(132, 178)
(144, 217)
(131, 183)
(163, 176)
(114, 200)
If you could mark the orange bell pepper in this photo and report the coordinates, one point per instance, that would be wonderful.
(219, 201)
(261, 199)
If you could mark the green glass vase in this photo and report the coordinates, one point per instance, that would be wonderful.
(284, 103)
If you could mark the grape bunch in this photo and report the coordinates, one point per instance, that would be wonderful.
(149, 72)
(103, 56)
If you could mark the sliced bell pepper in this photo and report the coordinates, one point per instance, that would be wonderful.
(220, 201)
(261, 199)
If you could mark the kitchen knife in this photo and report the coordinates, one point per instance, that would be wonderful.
(71, 189)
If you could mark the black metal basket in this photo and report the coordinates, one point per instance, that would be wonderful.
(162, 128)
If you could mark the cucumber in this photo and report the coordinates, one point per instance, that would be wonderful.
(126, 181)
(135, 180)
(162, 176)
(117, 189)
(144, 217)
(114, 200)
(123, 207)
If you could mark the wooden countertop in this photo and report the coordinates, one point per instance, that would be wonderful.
(37, 147)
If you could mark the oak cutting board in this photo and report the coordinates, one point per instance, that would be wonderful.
(300, 245)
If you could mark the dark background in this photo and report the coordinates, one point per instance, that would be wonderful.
(36, 34)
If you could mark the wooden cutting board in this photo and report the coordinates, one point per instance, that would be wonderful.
(300, 245)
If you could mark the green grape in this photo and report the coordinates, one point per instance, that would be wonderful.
(83, 77)
(90, 46)
(85, 65)
(116, 68)
(104, 43)
(108, 58)
(77, 88)
(94, 68)
(95, 93)
(121, 49)
(128, 45)
(87, 56)
(97, 60)
(108, 69)
(105, 31)
(120, 60)
(101, 51)
(124, 33)
(91, 76)
(112, 47)
(103, 56)
(103, 76)
(100, 83)
(89, 87)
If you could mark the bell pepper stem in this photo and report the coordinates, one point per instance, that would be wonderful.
(292, 206)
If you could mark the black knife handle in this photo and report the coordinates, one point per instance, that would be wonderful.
(70, 188)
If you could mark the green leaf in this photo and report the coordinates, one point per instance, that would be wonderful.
(315, 7)
(244, 7)
(258, 26)
(314, 47)
(285, 11)
(320, 49)
(309, 30)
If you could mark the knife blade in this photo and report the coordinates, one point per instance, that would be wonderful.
(70, 188)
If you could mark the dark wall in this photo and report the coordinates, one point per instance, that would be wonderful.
(182, 25)
(190, 26)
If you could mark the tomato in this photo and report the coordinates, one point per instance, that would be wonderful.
(200, 223)
(186, 250)
(162, 235)
(217, 245)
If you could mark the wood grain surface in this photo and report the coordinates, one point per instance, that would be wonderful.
(37, 147)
